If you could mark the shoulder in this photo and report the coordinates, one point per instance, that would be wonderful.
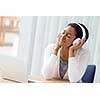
(50, 46)
(83, 51)
(49, 49)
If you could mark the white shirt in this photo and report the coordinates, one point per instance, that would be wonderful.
(76, 65)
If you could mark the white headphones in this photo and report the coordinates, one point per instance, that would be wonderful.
(84, 34)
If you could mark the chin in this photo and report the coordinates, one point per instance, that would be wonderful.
(64, 45)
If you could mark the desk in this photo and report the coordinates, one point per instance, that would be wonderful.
(41, 80)
(36, 80)
(6, 81)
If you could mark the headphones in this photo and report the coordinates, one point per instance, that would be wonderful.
(84, 35)
(78, 39)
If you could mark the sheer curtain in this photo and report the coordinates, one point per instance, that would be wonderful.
(37, 32)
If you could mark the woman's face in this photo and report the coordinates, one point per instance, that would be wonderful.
(68, 36)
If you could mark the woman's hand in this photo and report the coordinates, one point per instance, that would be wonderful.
(76, 46)
(58, 44)
(58, 40)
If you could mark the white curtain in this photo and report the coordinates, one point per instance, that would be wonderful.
(38, 31)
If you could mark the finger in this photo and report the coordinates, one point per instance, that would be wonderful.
(78, 43)
(59, 37)
(59, 34)
(83, 41)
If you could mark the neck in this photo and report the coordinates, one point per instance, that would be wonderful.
(65, 49)
(64, 53)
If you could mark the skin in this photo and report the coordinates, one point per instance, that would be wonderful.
(64, 41)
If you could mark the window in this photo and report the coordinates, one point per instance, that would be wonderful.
(9, 29)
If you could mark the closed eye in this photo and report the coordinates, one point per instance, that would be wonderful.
(69, 36)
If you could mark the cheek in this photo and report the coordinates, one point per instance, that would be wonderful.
(69, 41)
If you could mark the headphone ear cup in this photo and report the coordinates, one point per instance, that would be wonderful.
(76, 41)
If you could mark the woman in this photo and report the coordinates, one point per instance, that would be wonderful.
(67, 59)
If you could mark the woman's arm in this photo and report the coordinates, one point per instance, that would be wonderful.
(49, 62)
(76, 46)
(50, 58)
(77, 63)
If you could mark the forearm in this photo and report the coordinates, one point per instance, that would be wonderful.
(73, 70)
(48, 67)
(55, 50)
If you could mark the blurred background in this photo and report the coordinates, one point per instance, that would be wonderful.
(26, 37)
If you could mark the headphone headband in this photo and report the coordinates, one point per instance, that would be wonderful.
(83, 30)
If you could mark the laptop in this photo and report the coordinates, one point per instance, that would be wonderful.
(13, 69)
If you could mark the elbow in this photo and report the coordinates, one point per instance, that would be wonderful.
(46, 75)
(73, 78)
